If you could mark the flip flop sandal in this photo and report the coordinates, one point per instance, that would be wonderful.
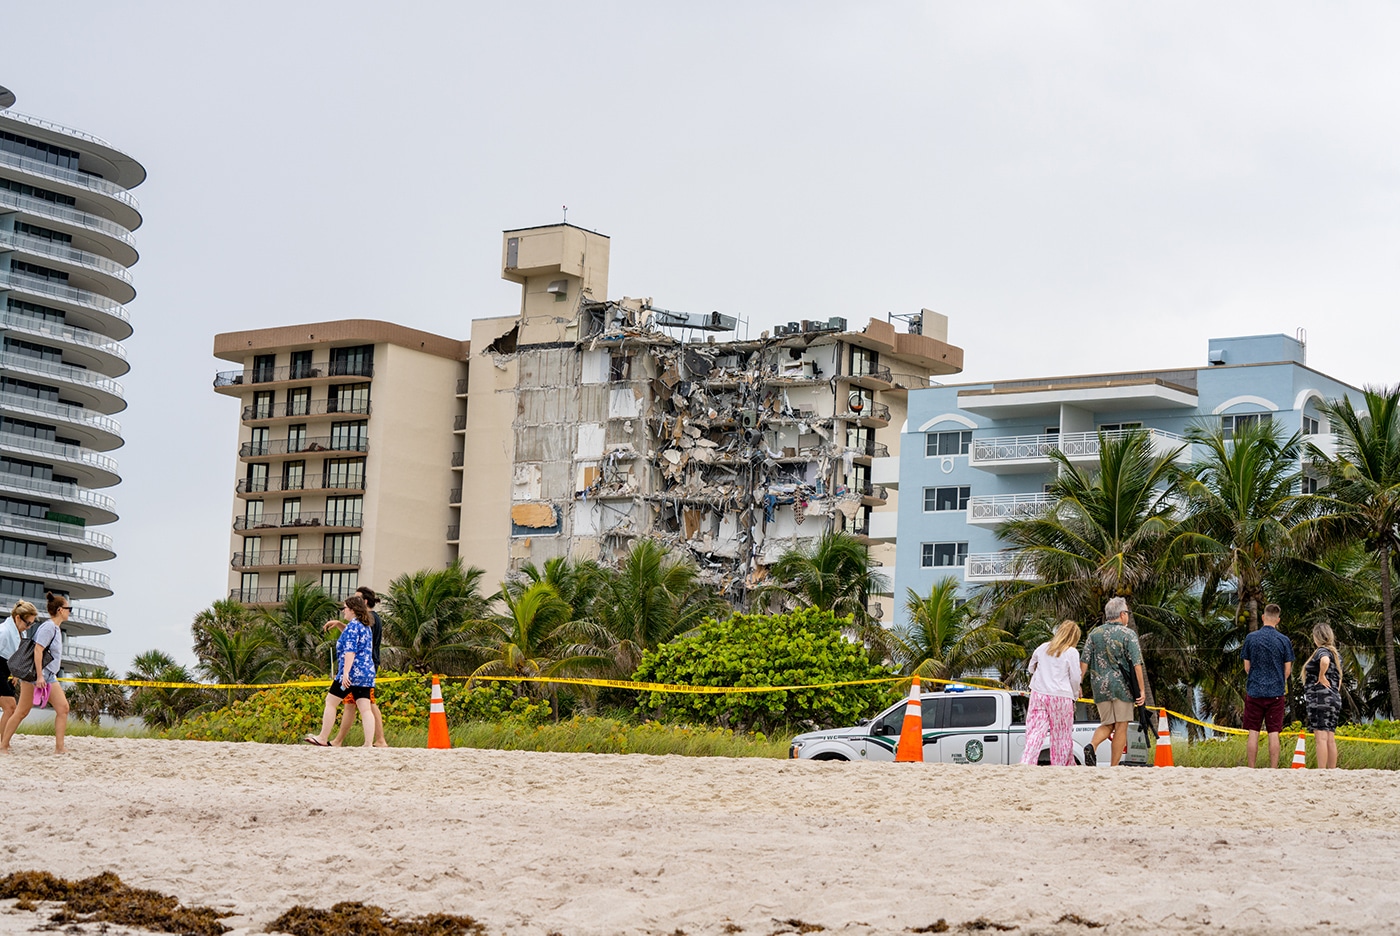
(314, 741)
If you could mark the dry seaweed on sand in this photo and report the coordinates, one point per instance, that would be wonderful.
(352, 918)
(1076, 918)
(938, 926)
(982, 923)
(798, 926)
(105, 899)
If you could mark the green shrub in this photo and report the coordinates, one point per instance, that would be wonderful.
(796, 648)
(281, 716)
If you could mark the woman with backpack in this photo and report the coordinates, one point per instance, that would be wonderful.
(21, 616)
(48, 642)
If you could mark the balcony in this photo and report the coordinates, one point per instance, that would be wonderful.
(71, 217)
(883, 526)
(317, 519)
(276, 595)
(328, 445)
(459, 459)
(81, 377)
(314, 482)
(93, 468)
(83, 180)
(103, 430)
(82, 622)
(461, 386)
(886, 471)
(76, 656)
(1031, 453)
(95, 547)
(236, 380)
(82, 583)
(876, 377)
(873, 495)
(871, 414)
(454, 533)
(994, 509)
(454, 497)
(62, 253)
(1326, 445)
(995, 567)
(304, 408)
(459, 422)
(99, 507)
(55, 331)
(297, 557)
(869, 450)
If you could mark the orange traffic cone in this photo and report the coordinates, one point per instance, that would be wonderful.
(1300, 753)
(437, 720)
(1164, 741)
(911, 734)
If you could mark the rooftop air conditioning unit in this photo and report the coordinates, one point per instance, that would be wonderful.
(836, 323)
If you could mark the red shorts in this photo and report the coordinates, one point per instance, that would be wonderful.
(1269, 711)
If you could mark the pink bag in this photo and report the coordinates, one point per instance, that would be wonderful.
(41, 695)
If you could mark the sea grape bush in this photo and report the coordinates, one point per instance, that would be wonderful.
(796, 648)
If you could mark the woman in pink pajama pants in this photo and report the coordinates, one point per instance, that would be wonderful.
(1055, 676)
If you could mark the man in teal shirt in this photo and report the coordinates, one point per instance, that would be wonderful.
(1110, 654)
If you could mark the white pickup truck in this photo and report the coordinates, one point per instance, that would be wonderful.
(963, 726)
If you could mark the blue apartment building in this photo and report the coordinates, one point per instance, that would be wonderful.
(973, 456)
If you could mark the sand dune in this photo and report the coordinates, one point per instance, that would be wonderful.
(603, 844)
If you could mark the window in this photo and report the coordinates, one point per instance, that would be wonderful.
(42, 233)
(348, 398)
(971, 711)
(301, 365)
(39, 272)
(350, 436)
(345, 473)
(947, 443)
(32, 350)
(22, 588)
(257, 441)
(1020, 708)
(22, 548)
(299, 402)
(32, 391)
(862, 440)
(1233, 424)
(619, 366)
(253, 514)
(293, 475)
(340, 584)
(1310, 426)
(291, 511)
(30, 430)
(342, 549)
(38, 311)
(257, 478)
(352, 362)
(344, 511)
(50, 153)
(32, 191)
(1308, 484)
(262, 405)
(864, 361)
(287, 552)
(946, 498)
(29, 469)
(252, 550)
(285, 581)
(938, 555)
(296, 438)
(248, 586)
(264, 368)
(23, 508)
(861, 402)
(1120, 427)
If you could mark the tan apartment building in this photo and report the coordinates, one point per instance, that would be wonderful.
(578, 424)
(343, 454)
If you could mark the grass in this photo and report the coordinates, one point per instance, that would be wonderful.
(81, 729)
(597, 735)
(1230, 752)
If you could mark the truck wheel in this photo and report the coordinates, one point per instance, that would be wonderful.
(1044, 760)
(831, 757)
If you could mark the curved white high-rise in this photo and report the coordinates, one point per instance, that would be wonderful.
(66, 217)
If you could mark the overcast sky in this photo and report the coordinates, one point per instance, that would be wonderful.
(1077, 186)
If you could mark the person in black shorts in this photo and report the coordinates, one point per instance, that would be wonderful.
(354, 680)
(347, 718)
(1322, 690)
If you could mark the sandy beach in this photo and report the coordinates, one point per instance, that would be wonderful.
(583, 844)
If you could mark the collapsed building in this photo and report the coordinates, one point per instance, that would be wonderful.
(591, 422)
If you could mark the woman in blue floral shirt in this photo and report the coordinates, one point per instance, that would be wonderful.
(354, 678)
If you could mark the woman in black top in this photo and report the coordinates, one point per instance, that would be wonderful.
(1322, 679)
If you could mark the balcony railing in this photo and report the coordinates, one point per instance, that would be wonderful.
(458, 459)
(278, 595)
(69, 492)
(57, 128)
(79, 297)
(328, 444)
(255, 375)
(71, 176)
(868, 411)
(81, 614)
(37, 326)
(454, 532)
(78, 655)
(295, 557)
(454, 497)
(459, 422)
(878, 371)
(75, 375)
(994, 566)
(1002, 507)
(1073, 444)
(325, 407)
(73, 454)
(318, 518)
(870, 449)
(55, 569)
(876, 491)
(313, 482)
(72, 414)
(44, 209)
(70, 532)
(60, 251)
(461, 385)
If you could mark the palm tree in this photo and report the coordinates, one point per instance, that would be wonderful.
(536, 636)
(91, 701)
(298, 628)
(578, 581)
(652, 599)
(425, 617)
(1240, 502)
(245, 656)
(224, 613)
(833, 574)
(1361, 500)
(943, 639)
(160, 707)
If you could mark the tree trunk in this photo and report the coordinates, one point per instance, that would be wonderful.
(1388, 632)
